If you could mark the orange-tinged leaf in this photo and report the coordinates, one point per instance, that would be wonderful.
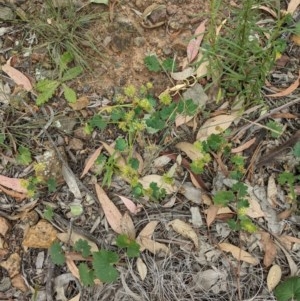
(16, 195)
(238, 253)
(269, 248)
(211, 214)
(112, 213)
(244, 146)
(194, 44)
(19, 78)
(90, 162)
(72, 267)
(18, 185)
(287, 91)
(130, 205)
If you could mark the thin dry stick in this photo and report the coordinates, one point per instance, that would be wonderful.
(268, 114)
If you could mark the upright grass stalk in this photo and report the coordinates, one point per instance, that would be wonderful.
(243, 52)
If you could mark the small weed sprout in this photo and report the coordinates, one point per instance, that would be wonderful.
(103, 261)
(47, 87)
(136, 111)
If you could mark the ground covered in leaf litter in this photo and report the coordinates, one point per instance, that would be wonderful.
(188, 250)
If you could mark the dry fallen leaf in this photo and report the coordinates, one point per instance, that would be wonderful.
(293, 4)
(269, 248)
(111, 212)
(91, 160)
(190, 149)
(211, 214)
(185, 230)
(273, 277)
(70, 179)
(81, 103)
(19, 78)
(4, 226)
(159, 180)
(161, 161)
(77, 297)
(71, 239)
(244, 146)
(72, 267)
(127, 226)
(215, 125)
(182, 75)
(42, 235)
(153, 246)
(18, 185)
(254, 209)
(194, 44)
(142, 268)
(238, 253)
(272, 192)
(130, 205)
(287, 91)
(147, 232)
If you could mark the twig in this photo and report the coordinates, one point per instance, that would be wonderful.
(268, 114)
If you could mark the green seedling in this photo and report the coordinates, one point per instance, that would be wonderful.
(47, 87)
(103, 261)
(135, 112)
(57, 254)
(289, 179)
(153, 64)
(24, 156)
(275, 128)
(132, 247)
(48, 213)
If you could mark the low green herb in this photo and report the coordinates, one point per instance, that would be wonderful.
(155, 65)
(48, 213)
(57, 254)
(103, 265)
(289, 179)
(47, 87)
(288, 290)
(132, 247)
(24, 155)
